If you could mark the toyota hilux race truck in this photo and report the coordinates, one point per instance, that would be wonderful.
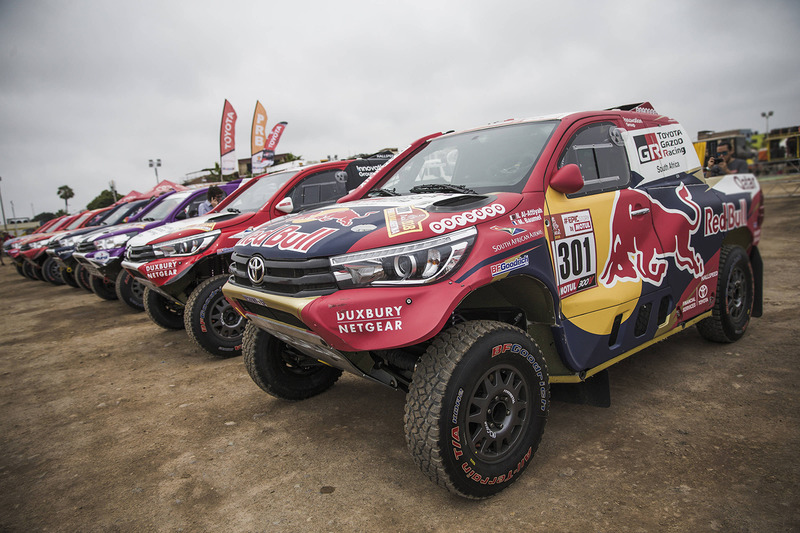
(183, 265)
(101, 253)
(487, 264)
(60, 250)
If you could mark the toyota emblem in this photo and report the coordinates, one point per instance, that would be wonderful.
(255, 270)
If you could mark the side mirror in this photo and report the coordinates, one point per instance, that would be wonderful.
(285, 205)
(180, 216)
(567, 179)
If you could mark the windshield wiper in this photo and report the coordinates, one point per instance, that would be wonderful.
(233, 210)
(149, 219)
(440, 187)
(383, 192)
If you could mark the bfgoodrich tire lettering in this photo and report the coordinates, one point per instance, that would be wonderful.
(734, 299)
(163, 312)
(477, 407)
(211, 321)
(281, 371)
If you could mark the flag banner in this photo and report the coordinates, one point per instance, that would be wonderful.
(258, 138)
(272, 142)
(227, 140)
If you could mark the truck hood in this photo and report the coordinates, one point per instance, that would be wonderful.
(373, 223)
(189, 227)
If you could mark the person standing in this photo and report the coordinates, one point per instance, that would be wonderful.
(724, 162)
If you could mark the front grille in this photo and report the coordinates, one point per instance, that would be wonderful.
(297, 277)
(85, 246)
(140, 254)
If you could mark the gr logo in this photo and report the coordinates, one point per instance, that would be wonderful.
(647, 148)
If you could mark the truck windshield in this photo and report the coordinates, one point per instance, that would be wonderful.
(254, 197)
(166, 206)
(489, 160)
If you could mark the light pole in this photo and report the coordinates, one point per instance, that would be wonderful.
(766, 115)
(154, 164)
(3, 207)
(113, 189)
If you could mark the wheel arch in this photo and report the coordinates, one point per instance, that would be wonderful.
(523, 301)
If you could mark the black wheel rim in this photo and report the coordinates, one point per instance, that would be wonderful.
(735, 294)
(53, 271)
(497, 413)
(137, 290)
(225, 322)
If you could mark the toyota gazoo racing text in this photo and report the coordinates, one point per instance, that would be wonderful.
(101, 253)
(487, 264)
(184, 265)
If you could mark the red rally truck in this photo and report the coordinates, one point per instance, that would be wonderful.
(488, 264)
(183, 265)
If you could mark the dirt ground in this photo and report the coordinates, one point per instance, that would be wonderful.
(109, 423)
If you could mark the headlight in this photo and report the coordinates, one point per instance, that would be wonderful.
(186, 246)
(67, 241)
(415, 263)
(110, 243)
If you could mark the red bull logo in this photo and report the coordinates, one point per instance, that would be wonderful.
(636, 253)
(344, 216)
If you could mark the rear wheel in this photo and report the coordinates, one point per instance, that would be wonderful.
(52, 272)
(165, 313)
(82, 277)
(477, 407)
(130, 291)
(103, 287)
(282, 371)
(734, 299)
(211, 321)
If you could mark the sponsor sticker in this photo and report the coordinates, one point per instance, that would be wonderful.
(509, 265)
(574, 252)
(370, 320)
(404, 219)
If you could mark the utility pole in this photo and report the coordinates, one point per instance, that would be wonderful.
(3, 207)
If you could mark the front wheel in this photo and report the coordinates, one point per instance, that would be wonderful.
(82, 277)
(477, 407)
(734, 299)
(165, 313)
(129, 290)
(103, 287)
(211, 321)
(52, 272)
(282, 371)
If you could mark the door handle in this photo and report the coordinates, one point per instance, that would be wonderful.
(640, 212)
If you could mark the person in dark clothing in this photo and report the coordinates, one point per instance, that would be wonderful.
(726, 163)
(214, 196)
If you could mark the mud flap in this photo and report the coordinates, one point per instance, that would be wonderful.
(595, 391)
(758, 281)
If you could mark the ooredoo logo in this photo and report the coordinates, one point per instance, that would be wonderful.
(647, 148)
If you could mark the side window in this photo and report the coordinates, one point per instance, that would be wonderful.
(191, 209)
(599, 151)
(319, 189)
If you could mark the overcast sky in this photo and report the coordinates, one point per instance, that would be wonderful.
(91, 90)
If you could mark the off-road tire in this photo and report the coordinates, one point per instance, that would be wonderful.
(103, 287)
(280, 370)
(51, 272)
(211, 321)
(82, 277)
(129, 290)
(29, 271)
(163, 312)
(68, 275)
(477, 407)
(19, 270)
(733, 305)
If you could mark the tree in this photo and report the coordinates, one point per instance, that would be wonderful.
(104, 199)
(65, 192)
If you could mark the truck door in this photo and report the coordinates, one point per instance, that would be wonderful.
(603, 246)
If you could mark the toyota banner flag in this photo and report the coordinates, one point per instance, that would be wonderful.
(227, 140)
